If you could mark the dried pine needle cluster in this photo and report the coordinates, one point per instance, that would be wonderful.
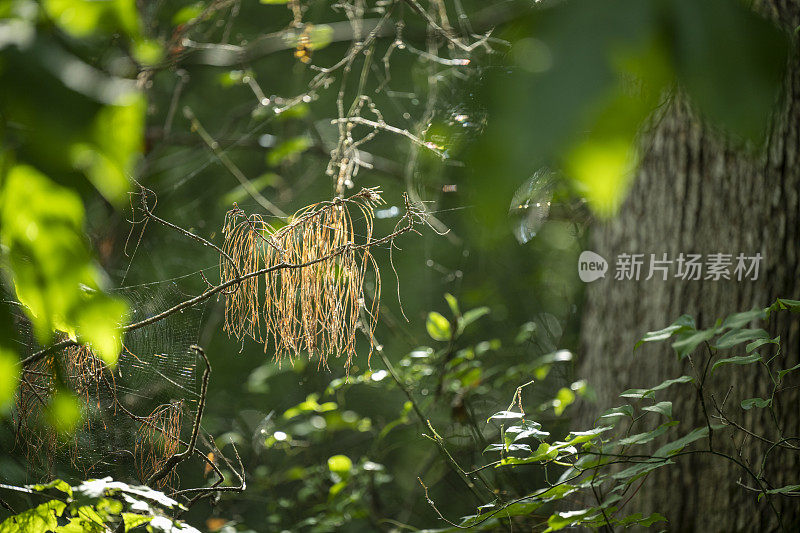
(309, 296)
(94, 383)
(157, 440)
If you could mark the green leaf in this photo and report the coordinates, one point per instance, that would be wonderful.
(83, 18)
(438, 326)
(761, 342)
(187, 13)
(642, 438)
(472, 315)
(288, 151)
(683, 323)
(579, 437)
(782, 373)
(664, 408)
(563, 399)
(739, 360)
(505, 415)
(617, 412)
(755, 402)
(274, 1)
(788, 489)
(58, 484)
(689, 342)
(54, 275)
(675, 446)
(133, 520)
(527, 429)
(738, 336)
(40, 519)
(340, 464)
(507, 448)
(544, 452)
(560, 520)
(452, 303)
(9, 379)
(635, 472)
(649, 393)
(64, 412)
(738, 320)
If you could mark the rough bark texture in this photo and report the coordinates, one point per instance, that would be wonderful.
(696, 194)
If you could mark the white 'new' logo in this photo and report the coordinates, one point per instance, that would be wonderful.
(591, 266)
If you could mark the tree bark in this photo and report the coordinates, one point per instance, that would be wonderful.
(695, 193)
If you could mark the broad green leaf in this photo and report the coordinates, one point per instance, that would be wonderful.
(755, 402)
(648, 436)
(563, 399)
(649, 393)
(64, 412)
(632, 473)
(664, 408)
(782, 373)
(690, 341)
(9, 379)
(544, 452)
(187, 13)
(579, 437)
(472, 315)
(738, 336)
(505, 415)
(683, 323)
(618, 412)
(340, 464)
(288, 151)
(527, 429)
(507, 448)
(679, 444)
(452, 303)
(82, 18)
(758, 343)
(788, 489)
(147, 52)
(739, 360)
(438, 326)
(560, 520)
(9, 360)
(132, 520)
(738, 320)
(54, 275)
(40, 519)
(117, 140)
(58, 484)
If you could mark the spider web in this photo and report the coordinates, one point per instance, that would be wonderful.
(155, 374)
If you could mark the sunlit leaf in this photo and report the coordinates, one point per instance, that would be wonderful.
(64, 412)
(438, 326)
(339, 464)
(53, 273)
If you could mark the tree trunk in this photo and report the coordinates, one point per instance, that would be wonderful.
(694, 193)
